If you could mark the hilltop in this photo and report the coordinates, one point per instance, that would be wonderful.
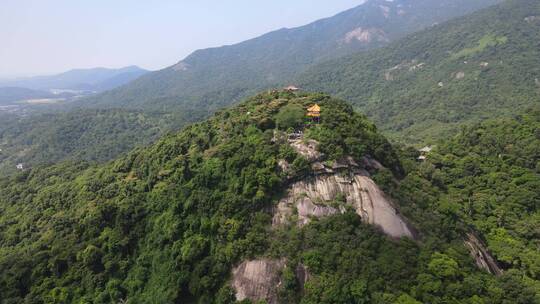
(260, 197)
(425, 86)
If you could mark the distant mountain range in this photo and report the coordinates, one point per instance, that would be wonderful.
(212, 78)
(72, 82)
(425, 86)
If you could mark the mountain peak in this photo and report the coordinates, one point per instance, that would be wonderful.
(216, 76)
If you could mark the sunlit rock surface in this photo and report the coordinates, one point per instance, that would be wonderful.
(482, 257)
(331, 188)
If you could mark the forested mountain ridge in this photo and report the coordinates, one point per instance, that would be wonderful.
(424, 86)
(171, 222)
(213, 78)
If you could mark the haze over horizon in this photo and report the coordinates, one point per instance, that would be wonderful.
(103, 34)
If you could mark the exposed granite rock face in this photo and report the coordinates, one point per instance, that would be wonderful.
(319, 196)
(330, 188)
(334, 186)
(258, 280)
(366, 35)
(286, 168)
(302, 275)
(298, 200)
(481, 255)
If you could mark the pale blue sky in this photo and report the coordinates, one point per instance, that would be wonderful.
(50, 36)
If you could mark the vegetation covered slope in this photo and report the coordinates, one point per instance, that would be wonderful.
(165, 224)
(480, 66)
(492, 173)
(213, 78)
(85, 135)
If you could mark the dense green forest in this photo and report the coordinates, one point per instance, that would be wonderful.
(492, 173)
(166, 223)
(118, 206)
(423, 87)
(84, 135)
(488, 179)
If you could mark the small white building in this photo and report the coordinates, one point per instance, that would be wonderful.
(424, 152)
(20, 167)
(426, 149)
(292, 88)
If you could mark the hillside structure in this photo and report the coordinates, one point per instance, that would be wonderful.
(314, 112)
(292, 88)
(424, 153)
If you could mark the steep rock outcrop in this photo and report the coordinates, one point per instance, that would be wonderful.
(481, 255)
(366, 35)
(330, 193)
(258, 280)
(331, 188)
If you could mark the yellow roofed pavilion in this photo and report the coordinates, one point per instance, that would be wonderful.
(314, 111)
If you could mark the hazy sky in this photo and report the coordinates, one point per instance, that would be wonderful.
(50, 36)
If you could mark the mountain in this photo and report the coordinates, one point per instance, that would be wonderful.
(238, 208)
(215, 77)
(316, 42)
(97, 79)
(428, 84)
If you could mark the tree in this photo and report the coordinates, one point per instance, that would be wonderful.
(443, 266)
(406, 299)
(290, 116)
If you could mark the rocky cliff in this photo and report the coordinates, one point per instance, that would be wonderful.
(333, 187)
(483, 259)
(258, 280)
(328, 188)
